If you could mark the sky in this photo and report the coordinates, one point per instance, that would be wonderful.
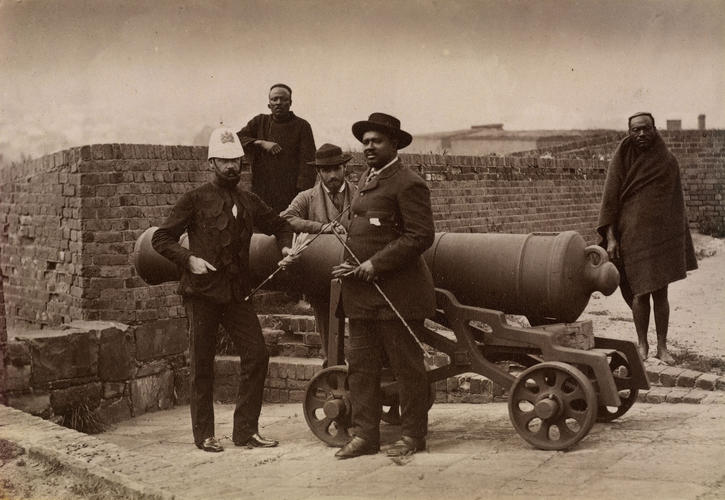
(75, 72)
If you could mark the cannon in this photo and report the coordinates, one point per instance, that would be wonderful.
(559, 376)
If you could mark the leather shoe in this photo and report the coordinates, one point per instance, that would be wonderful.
(406, 446)
(356, 447)
(210, 444)
(257, 441)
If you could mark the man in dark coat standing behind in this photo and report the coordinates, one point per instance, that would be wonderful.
(644, 227)
(391, 227)
(278, 146)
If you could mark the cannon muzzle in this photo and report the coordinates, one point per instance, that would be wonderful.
(547, 277)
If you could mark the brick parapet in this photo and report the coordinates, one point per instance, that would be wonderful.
(70, 219)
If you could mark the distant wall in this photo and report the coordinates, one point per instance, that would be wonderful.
(701, 155)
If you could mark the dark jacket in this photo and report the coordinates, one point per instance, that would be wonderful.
(392, 225)
(277, 179)
(218, 237)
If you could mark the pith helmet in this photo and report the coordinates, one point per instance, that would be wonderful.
(224, 143)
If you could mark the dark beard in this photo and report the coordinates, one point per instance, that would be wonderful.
(226, 182)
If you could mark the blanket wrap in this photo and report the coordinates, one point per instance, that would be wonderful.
(643, 201)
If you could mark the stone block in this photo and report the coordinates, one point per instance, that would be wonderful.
(17, 378)
(63, 400)
(694, 397)
(35, 404)
(706, 381)
(113, 390)
(152, 393)
(114, 410)
(161, 338)
(668, 377)
(657, 395)
(182, 385)
(18, 353)
(578, 335)
(115, 354)
(687, 378)
(151, 368)
(653, 372)
(62, 354)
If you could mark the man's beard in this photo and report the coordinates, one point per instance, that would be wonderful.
(227, 181)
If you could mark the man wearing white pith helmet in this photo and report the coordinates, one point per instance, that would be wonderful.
(218, 217)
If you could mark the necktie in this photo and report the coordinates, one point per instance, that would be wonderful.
(371, 176)
(337, 199)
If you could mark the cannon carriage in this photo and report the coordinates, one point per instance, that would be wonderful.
(566, 379)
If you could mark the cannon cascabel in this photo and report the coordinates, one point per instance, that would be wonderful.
(547, 277)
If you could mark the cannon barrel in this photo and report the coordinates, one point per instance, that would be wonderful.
(543, 276)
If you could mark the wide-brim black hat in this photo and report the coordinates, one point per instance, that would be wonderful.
(329, 155)
(382, 123)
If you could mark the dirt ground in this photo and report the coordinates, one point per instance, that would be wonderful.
(25, 478)
(697, 312)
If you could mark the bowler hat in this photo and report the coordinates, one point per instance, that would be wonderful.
(329, 155)
(382, 123)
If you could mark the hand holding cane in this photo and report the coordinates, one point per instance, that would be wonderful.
(299, 244)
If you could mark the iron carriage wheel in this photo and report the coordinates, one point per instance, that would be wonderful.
(625, 386)
(327, 406)
(391, 403)
(552, 405)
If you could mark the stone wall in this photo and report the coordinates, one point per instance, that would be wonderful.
(114, 369)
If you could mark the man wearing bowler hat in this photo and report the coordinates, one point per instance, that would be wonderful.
(322, 208)
(391, 227)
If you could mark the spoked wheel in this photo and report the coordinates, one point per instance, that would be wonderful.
(552, 405)
(327, 406)
(625, 386)
(389, 389)
(391, 405)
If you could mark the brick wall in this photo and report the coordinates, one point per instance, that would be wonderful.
(69, 220)
(701, 155)
(3, 345)
(40, 242)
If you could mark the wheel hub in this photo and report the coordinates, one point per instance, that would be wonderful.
(548, 407)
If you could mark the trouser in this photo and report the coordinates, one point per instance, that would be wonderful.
(370, 340)
(321, 309)
(241, 323)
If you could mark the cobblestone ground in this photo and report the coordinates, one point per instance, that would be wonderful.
(654, 451)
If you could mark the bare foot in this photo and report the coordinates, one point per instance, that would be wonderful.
(664, 355)
(643, 350)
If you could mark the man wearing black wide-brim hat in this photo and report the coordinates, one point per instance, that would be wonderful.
(391, 227)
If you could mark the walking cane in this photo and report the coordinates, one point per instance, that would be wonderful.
(389, 302)
(302, 247)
